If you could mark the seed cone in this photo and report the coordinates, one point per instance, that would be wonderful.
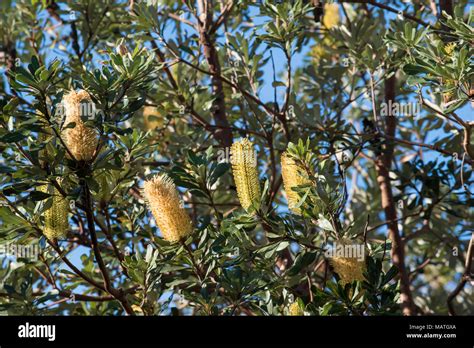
(56, 222)
(293, 176)
(166, 206)
(294, 309)
(331, 15)
(349, 269)
(80, 140)
(244, 168)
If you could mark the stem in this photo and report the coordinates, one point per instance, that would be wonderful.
(464, 278)
(199, 272)
(118, 294)
(383, 163)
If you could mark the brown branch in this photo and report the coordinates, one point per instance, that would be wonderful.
(446, 6)
(246, 94)
(207, 42)
(428, 146)
(55, 246)
(198, 118)
(108, 233)
(197, 269)
(383, 164)
(222, 17)
(466, 276)
(118, 294)
(72, 296)
(178, 18)
(466, 144)
(390, 9)
(453, 117)
(11, 55)
(83, 297)
(52, 9)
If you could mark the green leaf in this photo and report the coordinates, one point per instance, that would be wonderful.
(38, 196)
(12, 137)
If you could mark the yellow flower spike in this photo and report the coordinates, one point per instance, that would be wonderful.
(167, 208)
(318, 51)
(56, 222)
(449, 48)
(349, 269)
(244, 168)
(293, 176)
(80, 140)
(294, 309)
(322, 49)
(331, 15)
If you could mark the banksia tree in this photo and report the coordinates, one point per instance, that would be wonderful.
(56, 223)
(183, 85)
(167, 208)
(244, 168)
(80, 139)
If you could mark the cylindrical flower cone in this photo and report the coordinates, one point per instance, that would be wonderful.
(244, 168)
(349, 269)
(294, 309)
(56, 223)
(80, 140)
(167, 208)
(331, 15)
(293, 176)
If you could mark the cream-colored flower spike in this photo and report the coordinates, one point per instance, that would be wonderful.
(331, 15)
(349, 269)
(244, 168)
(80, 140)
(293, 176)
(166, 206)
(152, 118)
(294, 309)
(56, 222)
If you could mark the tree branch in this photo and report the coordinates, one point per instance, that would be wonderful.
(383, 164)
(224, 135)
(464, 278)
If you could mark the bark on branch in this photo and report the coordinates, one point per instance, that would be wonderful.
(466, 276)
(205, 27)
(383, 164)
